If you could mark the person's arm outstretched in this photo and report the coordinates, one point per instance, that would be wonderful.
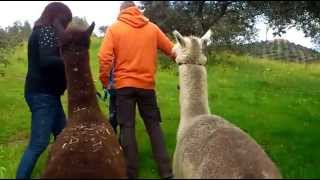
(164, 44)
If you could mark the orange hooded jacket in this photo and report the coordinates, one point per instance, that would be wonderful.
(131, 44)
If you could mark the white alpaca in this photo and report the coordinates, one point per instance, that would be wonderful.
(207, 145)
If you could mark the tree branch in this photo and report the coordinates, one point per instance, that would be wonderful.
(207, 23)
(223, 9)
(199, 13)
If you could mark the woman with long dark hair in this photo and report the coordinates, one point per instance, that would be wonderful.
(45, 83)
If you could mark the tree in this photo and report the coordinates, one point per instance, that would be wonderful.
(3, 38)
(80, 22)
(233, 21)
(26, 30)
(17, 33)
(304, 15)
(102, 29)
(230, 21)
(11, 37)
(4, 41)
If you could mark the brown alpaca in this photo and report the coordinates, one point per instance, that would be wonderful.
(88, 146)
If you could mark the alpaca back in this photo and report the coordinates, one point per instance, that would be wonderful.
(86, 150)
(214, 148)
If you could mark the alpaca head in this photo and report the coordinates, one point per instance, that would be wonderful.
(76, 40)
(190, 50)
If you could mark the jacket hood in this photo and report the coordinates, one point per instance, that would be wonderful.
(133, 17)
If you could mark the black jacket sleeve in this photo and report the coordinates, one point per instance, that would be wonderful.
(49, 53)
(49, 59)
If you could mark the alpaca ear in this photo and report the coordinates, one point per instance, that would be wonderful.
(204, 46)
(179, 38)
(207, 35)
(90, 28)
(204, 43)
(205, 39)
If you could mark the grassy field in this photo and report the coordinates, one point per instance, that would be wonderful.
(278, 104)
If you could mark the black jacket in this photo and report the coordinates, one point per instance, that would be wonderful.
(46, 72)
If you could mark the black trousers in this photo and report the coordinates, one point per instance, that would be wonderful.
(112, 110)
(126, 100)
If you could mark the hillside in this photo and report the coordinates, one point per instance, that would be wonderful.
(277, 103)
(281, 49)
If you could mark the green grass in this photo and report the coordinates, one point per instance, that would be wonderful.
(277, 103)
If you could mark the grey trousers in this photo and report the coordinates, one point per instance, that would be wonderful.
(126, 100)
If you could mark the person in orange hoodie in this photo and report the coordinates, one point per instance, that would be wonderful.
(131, 45)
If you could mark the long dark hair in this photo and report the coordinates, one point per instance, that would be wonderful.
(53, 11)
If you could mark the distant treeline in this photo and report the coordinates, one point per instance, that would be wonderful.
(280, 49)
(14, 35)
(11, 37)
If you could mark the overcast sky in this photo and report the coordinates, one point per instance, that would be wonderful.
(103, 13)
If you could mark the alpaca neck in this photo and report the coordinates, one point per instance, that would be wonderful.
(193, 94)
(81, 90)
